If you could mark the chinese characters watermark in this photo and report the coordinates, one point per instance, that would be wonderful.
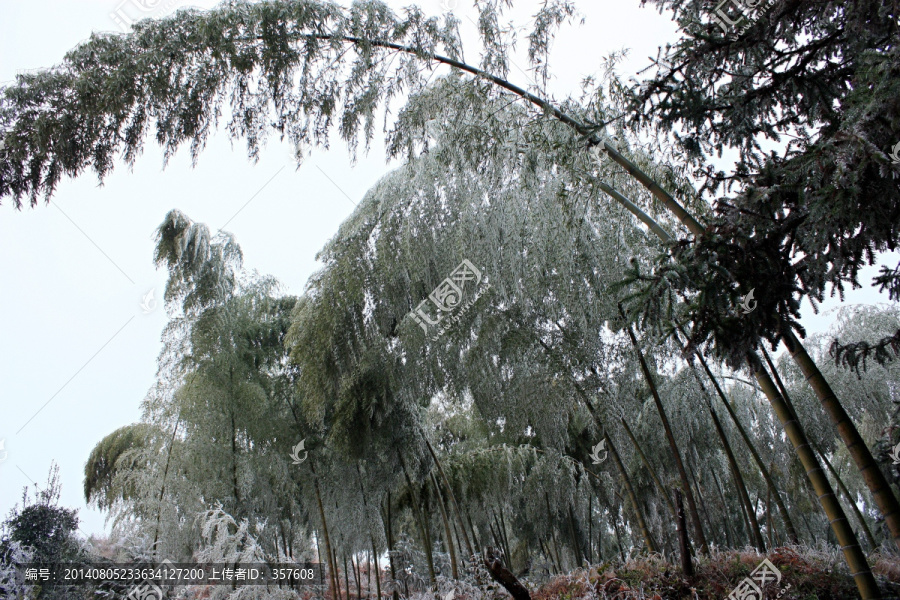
(447, 298)
(141, 9)
(751, 588)
(725, 21)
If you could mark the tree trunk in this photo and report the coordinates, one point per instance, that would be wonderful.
(590, 528)
(662, 489)
(328, 549)
(448, 535)
(846, 537)
(618, 539)
(545, 548)
(377, 570)
(673, 446)
(755, 532)
(337, 573)
(698, 491)
(850, 499)
(730, 536)
(390, 543)
(793, 537)
(501, 537)
(684, 544)
(639, 517)
(346, 578)
(576, 548)
(505, 536)
(162, 488)
(504, 577)
(552, 527)
(420, 521)
(862, 456)
(451, 495)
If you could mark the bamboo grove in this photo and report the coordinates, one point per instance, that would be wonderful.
(612, 314)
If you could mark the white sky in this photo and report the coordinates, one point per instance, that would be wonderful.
(77, 352)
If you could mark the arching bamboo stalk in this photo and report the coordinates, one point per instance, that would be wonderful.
(613, 451)
(744, 496)
(858, 449)
(853, 554)
(450, 494)
(850, 499)
(650, 469)
(420, 520)
(328, 548)
(764, 470)
(673, 446)
(448, 535)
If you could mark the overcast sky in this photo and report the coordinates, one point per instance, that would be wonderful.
(77, 350)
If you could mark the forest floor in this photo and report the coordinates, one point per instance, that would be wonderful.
(799, 574)
(804, 575)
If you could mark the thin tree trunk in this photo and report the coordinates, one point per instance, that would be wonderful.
(590, 528)
(448, 535)
(632, 497)
(684, 543)
(846, 537)
(474, 533)
(730, 536)
(850, 499)
(697, 489)
(162, 488)
(673, 446)
(357, 569)
(769, 519)
(420, 520)
(505, 536)
(501, 535)
(753, 524)
(497, 541)
(390, 543)
(545, 548)
(346, 578)
(377, 570)
(576, 548)
(451, 495)
(363, 494)
(552, 527)
(859, 451)
(766, 473)
(328, 549)
(637, 446)
(337, 572)
(618, 539)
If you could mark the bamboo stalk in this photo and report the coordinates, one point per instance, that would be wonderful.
(744, 496)
(650, 469)
(448, 535)
(853, 554)
(673, 446)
